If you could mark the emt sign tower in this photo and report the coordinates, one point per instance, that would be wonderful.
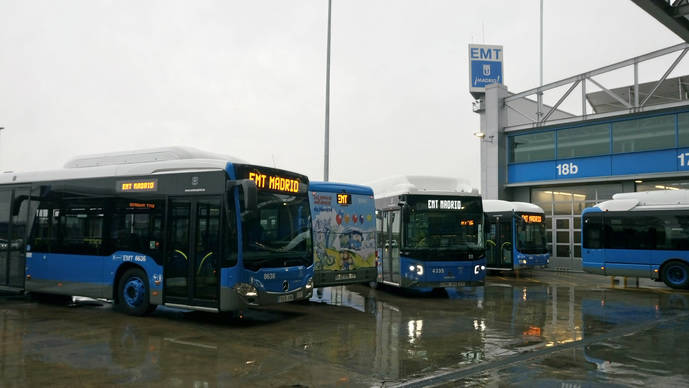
(485, 67)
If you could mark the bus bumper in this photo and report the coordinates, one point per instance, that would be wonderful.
(327, 278)
(252, 297)
(406, 283)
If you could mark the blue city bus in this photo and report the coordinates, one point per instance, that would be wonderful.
(344, 233)
(515, 235)
(173, 226)
(642, 234)
(429, 233)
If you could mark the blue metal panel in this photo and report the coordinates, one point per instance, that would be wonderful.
(583, 167)
(644, 162)
(669, 160)
(527, 172)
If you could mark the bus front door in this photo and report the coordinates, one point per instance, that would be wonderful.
(14, 217)
(192, 252)
(391, 247)
(499, 242)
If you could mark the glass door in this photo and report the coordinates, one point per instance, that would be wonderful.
(563, 237)
(391, 246)
(192, 256)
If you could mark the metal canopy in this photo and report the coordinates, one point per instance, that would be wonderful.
(673, 14)
(669, 91)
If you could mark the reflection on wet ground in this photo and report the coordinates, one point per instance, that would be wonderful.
(548, 329)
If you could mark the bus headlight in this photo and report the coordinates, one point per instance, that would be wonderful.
(247, 290)
(412, 268)
(479, 268)
(419, 269)
(309, 284)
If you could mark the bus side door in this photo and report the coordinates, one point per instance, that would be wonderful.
(192, 260)
(391, 246)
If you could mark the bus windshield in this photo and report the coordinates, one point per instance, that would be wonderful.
(279, 234)
(531, 235)
(444, 229)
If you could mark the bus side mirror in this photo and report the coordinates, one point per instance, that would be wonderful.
(405, 209)
(249, 193)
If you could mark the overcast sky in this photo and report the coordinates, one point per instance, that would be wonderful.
(247, 78)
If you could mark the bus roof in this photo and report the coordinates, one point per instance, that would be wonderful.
(145, 156)
(421, 184)
(335, 187)
(496, 205)
(647, 200)
(133, 163)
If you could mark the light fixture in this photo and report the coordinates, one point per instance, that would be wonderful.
(483, 137)
(638, 181)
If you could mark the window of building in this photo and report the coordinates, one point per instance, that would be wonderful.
(683, 129)
(583, 141)
(532, 147)
(662, 185)
(652, 133)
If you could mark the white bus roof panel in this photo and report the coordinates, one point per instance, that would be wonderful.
(421, 184)
(145, 156)
(135, 163)
(647, 200)
(496, 205)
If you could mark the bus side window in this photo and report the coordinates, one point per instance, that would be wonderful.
(136, 226)
(81, 225)
(380, 237)
(593, 224)
(229, 237)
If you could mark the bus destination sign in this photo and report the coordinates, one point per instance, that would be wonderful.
(532, 218)
(344, 199)
(137, 186)
(445, 204)
(274, 182)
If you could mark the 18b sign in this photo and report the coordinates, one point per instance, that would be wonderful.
(567, 169)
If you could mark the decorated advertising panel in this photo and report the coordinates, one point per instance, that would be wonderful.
(343, 231)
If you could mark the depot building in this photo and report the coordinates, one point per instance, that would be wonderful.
(621, 139)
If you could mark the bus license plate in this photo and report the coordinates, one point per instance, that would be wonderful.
(345, 276)
(453, 284)
(285, 298)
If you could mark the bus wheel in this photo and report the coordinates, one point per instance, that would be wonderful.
(132, 293)
(676, 274)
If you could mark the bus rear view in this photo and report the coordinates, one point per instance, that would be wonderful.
(343, 217)
(430, 233)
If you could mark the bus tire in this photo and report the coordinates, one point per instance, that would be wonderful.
(675, 274)
(133, 293)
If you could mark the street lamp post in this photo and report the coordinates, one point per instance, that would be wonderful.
(326, 155)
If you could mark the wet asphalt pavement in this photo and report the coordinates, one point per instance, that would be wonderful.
(543, 329)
